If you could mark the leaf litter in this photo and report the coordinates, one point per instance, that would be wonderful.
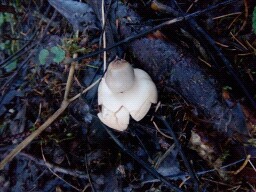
(77, 147)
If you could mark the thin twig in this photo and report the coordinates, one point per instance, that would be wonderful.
(70, 78)
(227, 15)
(56, 173)
(222, 183)
(187, 164)
(162, 133)
(71, 73)
(252, 187)
(239, 42)
(246, 15)
(205, 62)
(243, 165)
(104, 35)
(85, 90)
(162, 158)
(55, 168)
(252, 165)
(88, 173)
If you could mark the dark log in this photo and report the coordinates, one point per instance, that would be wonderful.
(80, 15)
(168, 63)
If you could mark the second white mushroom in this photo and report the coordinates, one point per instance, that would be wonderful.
(124, 91)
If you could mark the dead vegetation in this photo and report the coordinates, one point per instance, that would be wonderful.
(201, 134)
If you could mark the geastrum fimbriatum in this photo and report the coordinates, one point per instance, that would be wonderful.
(124, 91)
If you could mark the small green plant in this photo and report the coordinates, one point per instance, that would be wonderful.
(5, 17)
(7, 46)
(49, 55)
(11, 66)
(254, 20)
(72, 46)
(59, 54)
(227, 88)
(44, 53)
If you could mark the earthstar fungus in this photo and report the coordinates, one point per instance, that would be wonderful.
(124, 91)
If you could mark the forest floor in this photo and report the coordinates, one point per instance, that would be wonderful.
(50, 136)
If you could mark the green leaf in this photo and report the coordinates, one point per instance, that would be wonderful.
(11, 66)
(59, 54)
(9, 18)
(1, 19)
(226, 88)
(254, 20)
(44, 53)
(6, 17)
(69, 134)
(2, 46)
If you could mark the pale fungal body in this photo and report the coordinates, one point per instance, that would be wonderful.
(124, 91)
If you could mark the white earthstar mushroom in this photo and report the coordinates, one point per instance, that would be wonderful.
(122, 92)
